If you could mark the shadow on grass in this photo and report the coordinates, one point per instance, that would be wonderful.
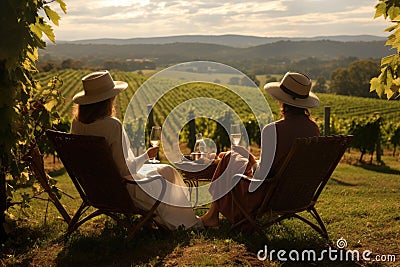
(379, 168)
(58, 172)
(18, 247)
(105, 245)
(340, 182)
(110, 248)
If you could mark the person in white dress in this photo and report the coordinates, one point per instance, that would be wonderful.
(94, 115)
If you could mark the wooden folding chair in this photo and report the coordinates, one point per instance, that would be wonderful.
(89, 163)
(298, 183)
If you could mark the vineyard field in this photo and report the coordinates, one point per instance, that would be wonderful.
(342, 107)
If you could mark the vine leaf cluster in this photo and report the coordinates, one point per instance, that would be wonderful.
(388, 81)
(26, 108)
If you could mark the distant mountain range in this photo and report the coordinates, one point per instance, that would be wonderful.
(169, 50)
(239, 41)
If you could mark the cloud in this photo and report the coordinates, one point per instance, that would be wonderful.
(123, 3)
(145, 18)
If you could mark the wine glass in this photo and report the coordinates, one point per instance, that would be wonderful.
(236, 134)
(155, 137)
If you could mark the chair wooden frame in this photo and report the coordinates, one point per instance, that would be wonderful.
(89, 163)
(302, 176)
(36, 164)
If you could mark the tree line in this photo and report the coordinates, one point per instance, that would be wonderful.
(77, 64)
(352, 79)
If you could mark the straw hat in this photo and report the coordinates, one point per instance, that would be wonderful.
(294, 89)
(98, 86)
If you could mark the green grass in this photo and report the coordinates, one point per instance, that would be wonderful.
(361, 203)
(366, 210)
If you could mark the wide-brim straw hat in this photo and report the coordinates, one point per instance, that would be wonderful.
(294, 89)
(98, 86)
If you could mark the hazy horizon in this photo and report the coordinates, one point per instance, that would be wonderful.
(125, 19)
(228, 34)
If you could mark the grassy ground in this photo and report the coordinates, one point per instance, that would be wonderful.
(360, 204)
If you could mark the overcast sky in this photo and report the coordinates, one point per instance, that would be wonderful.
(88, 19)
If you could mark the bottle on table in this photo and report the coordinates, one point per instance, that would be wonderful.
(200, 148)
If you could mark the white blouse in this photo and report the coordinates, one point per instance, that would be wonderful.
(111, 128)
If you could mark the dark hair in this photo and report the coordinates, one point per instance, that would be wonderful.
(286, 109)
(92, 112)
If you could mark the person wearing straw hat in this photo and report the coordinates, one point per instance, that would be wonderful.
(94, 115)
(295, 97)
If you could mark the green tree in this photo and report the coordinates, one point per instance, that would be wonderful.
(361, 72)
(354, 80)
(340, 82)
(25, 110)
(71, 64)
(388, 81)
(320, 85)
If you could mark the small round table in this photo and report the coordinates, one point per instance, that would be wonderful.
(194, 172)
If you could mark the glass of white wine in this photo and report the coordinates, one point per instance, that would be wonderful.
(236, 134)
(155, 137)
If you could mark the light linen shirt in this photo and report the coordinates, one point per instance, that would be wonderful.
(111, 128)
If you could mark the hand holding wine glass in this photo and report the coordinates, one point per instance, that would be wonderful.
(155, 137)
(235, 134)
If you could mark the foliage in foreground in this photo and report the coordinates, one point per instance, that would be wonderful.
(388, 81)
(25, 110)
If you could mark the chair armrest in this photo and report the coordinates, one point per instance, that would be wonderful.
(145, 180)
(238, 177)
(149, 179)
(254, 182)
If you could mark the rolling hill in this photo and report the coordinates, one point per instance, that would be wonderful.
(239, 41)
(178, 52)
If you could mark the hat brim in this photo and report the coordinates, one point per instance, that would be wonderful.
(81, 99)
(273, 89)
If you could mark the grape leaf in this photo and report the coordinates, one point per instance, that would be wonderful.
(387, 60)
(48, 30)
(51, 104)
(380, 10)
(63, 6)
(375, 85)
(52, 15)
(391, 28)
(393, 12)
